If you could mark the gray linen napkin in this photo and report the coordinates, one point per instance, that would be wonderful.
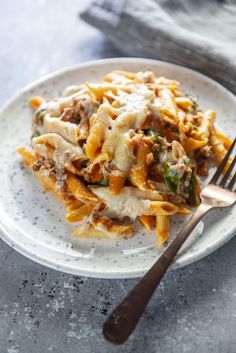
(195, 33)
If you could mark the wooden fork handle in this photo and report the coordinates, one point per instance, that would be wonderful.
(121, 323)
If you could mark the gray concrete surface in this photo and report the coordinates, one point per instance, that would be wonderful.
(42, 310)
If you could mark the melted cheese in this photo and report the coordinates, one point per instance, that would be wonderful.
(123, 156)
(52, 108)
(64, 152)
(63, 128)
(130, 116)
(137, 103)
(131, 201)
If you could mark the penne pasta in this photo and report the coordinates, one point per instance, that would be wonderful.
(183, 210)
(169, 108)
(79, 213)
(218, 148)
(162, 229)
(35, 102)
(184, 103)
(178, 151)
(48, 181)
(73, 204)
(183, 121)
(223, 138)
(116, 182)
(27, 155)
(79, 190)
(138, 173)
(99, 90)
(192, 144)
(147, 221)
(162, 208)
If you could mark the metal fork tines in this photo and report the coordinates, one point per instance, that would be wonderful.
(219, 191)
(221, 167)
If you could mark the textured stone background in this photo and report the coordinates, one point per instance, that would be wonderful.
(46, 311)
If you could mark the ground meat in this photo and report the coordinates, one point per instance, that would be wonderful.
(48, 163)
(37, 165)
(176, 198)
(45, 163)
(83, 108)
(202, 157)
(102, 221)
(93, 175)
(156, 173)
(203, 167)
(70, 115)
(60, 176)
(205, 151)
(122, 221)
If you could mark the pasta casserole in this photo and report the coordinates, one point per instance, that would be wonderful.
(128, 148)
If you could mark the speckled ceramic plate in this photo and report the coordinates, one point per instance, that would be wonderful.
(32, 220)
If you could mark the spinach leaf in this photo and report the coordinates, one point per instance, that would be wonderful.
(153, 134)
(103, 182)
(170, 176)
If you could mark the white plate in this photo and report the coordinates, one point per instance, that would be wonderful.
(33, 221)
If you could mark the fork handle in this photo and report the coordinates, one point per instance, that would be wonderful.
(121, 323)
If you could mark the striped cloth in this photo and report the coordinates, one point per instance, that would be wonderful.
(197, 34)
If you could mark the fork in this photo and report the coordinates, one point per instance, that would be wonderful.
(218, 193)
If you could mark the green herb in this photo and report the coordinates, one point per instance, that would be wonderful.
(171, 177)
(153, 134)
(103, 182)
(39, 111)
(175, 131)
(39, 116)
(185, 160)
(156, 156)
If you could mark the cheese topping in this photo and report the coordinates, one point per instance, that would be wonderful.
(64, 151)
(131, 201)
(65, 129)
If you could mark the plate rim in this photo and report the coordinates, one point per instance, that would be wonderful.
(192, 257)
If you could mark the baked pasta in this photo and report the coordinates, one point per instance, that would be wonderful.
(130, 147)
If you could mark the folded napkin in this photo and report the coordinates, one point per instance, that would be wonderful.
(198, 34)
